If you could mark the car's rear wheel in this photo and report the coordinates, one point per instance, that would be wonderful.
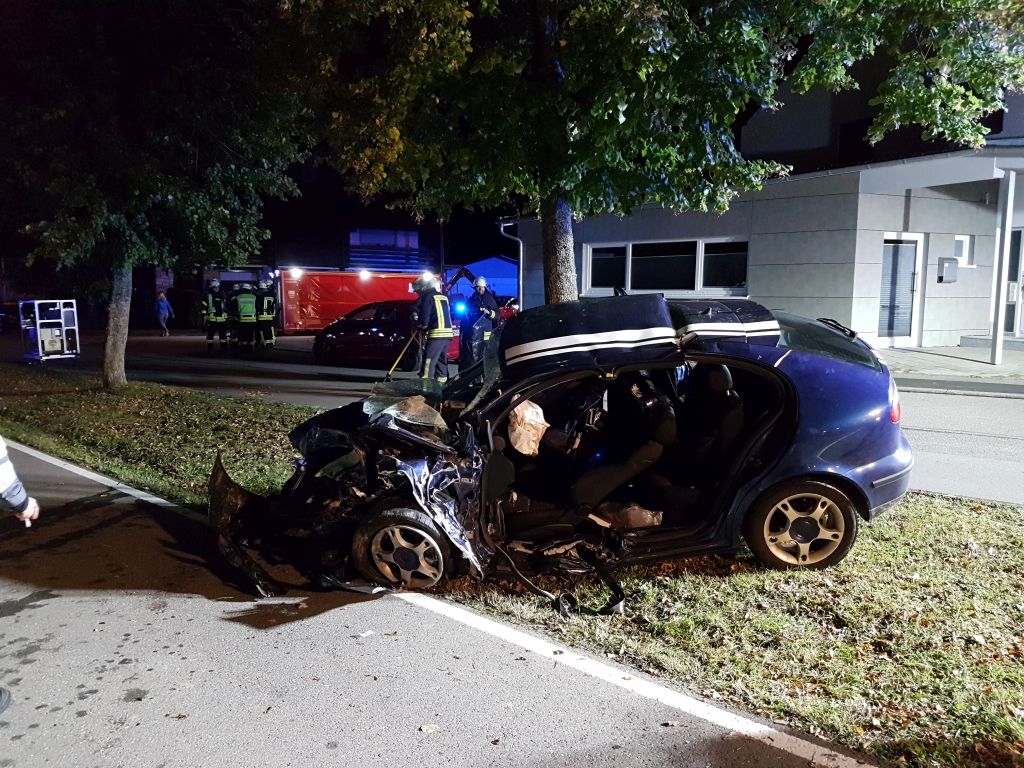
(401, 547)
(801, 524)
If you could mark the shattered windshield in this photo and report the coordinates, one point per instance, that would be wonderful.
(411, 403)
(386, 393)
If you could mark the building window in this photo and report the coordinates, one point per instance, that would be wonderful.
(680, 268)
(608, 267)
(663, 267)
(725, 265)
(963, 250)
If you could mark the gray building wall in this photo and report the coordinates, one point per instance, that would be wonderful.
(948, 310)
(816, 244)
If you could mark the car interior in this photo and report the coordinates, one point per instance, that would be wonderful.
(647, 448)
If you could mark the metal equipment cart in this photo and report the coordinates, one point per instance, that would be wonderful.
(49, 329)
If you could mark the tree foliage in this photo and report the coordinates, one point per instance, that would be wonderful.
(609, 104)
(147, 133)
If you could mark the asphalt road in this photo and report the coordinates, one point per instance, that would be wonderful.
(966, 444)
(125, 642)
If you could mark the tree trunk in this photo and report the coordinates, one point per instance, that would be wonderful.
(559, 259)
(117, 328)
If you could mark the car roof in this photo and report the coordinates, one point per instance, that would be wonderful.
(590, 333)
(389, 303)
(714, 320)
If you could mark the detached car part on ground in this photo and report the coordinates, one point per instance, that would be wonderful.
(594, 434)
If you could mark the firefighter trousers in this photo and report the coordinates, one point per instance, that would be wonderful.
(435, 360)
(219, 329)
(265, 334)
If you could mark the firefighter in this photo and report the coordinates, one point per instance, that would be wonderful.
(434, 318)
(231, 307)
(244, 312)
(481, 314)
(215, 316)
(266, 310)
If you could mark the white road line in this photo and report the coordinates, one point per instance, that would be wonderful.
(808, 750)
(794, 745)
(110, 482)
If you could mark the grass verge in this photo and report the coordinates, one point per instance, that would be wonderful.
(160, 438)
(912, 649)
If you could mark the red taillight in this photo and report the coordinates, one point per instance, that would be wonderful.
(894, 403)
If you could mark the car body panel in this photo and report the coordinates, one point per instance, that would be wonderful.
(818, 404)
(372, 340)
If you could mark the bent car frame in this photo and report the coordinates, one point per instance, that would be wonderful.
(593, 435)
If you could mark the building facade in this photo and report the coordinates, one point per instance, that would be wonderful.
(902, 250)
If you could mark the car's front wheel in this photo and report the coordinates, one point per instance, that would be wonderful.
(802, 524)
(401, 547)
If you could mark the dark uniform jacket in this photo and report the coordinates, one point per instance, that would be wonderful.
(266, 305)
(215, 307)
(482, 306)
(433, 314)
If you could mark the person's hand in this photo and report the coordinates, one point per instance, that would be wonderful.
(31, 512)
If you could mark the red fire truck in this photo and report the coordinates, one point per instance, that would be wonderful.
(311, 299)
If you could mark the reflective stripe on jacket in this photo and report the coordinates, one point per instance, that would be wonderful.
(213, 309)
(246, 303)
(265, 309)
(12, 492)
(434, 315)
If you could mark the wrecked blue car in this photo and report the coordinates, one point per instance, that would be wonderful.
(593, 435)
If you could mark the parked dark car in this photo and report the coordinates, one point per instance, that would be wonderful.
(9, 322)
(594, 434)
(372, 336)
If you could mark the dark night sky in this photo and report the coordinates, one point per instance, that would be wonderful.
(320, 220)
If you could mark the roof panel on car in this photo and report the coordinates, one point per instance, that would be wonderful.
(590, 333)
(725, 320)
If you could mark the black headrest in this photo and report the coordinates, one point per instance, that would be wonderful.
(716, 378)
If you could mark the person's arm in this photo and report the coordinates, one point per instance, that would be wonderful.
(13, 496)
(489, 305)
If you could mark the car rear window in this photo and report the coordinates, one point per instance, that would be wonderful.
(806, 335)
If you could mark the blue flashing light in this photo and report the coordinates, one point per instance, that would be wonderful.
(460, 308)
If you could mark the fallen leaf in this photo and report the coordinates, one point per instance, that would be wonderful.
(496, 741)
(430, 728)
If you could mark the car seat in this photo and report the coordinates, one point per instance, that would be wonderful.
(634, 403)
(725, 407)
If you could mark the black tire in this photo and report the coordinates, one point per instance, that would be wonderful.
(381, 535)
(768, 526)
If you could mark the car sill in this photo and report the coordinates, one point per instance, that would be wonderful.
(883, 481)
